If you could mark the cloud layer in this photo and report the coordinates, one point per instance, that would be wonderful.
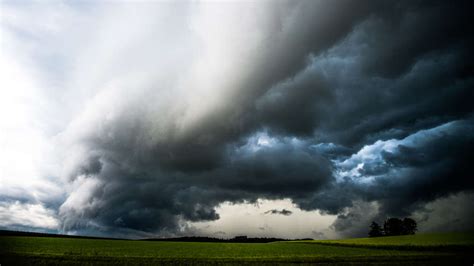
(172, 109)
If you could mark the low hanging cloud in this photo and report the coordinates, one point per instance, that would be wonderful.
(339, 106)
(201, 157)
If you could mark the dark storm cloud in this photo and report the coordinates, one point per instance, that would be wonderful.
(401, 176)
(293, 32)
(354, 221)
(439, 26)
(152, 199)
(436, 167)
(332, 78)
(282, 212)
(381, 79)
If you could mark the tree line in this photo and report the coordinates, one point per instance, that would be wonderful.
(393, 227)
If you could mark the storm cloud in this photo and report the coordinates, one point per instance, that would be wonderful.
(339, 106)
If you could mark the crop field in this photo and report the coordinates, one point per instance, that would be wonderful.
(437, 249)
(433, 241)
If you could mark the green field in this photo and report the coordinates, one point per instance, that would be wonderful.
(433, 241)
(438, 249)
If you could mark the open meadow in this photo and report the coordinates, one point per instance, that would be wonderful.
(429, 249)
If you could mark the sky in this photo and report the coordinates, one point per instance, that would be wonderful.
(292, 119)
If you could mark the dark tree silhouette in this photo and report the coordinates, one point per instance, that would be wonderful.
(396, 227)
(375, 230)
(409, 226)
(393, 227)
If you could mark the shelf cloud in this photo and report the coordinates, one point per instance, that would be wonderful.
(160, 112)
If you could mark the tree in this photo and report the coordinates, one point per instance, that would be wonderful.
(409, 226)
(375, 230)
(393, 227)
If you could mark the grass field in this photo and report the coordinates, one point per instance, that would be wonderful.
(433, 241)
(437, 249)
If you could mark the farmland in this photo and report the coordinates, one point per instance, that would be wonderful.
(433, 241)
(420, 249)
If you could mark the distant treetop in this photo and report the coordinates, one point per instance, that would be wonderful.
(393, 227)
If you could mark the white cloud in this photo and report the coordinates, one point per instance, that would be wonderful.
(26, 148)
(19, 214)
(372, 155)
